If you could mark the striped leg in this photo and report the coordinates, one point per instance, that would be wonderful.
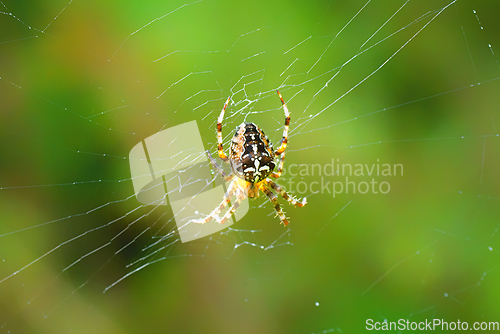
(272, 197)
(219, 168)
(215, 213)
(280, 166)
(239, 197)
(284, 140)
(222, 155)
(282, 192)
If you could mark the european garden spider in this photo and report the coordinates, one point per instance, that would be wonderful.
(252, 160)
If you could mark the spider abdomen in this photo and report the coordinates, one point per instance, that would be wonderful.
(251, 155)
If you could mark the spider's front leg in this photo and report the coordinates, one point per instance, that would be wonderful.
(240, 195)
(272, 197)
(215, 213)
(292, 200)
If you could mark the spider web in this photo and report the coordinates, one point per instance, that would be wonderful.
(366, 82)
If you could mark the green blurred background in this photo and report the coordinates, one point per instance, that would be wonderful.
(427, 249)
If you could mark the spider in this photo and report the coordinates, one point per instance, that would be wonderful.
(252, 161)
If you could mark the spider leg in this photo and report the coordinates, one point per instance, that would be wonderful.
(280, 167)
(219, 168)
(283, 142)
(272, 197)
(292, 200)
(240, 195)
(222, 155)
(227, 198)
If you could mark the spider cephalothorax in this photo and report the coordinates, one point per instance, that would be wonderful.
(252, 161)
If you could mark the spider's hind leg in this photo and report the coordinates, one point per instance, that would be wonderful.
(280, 166)
(219, 168)
(283, 143)
(220, 148)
